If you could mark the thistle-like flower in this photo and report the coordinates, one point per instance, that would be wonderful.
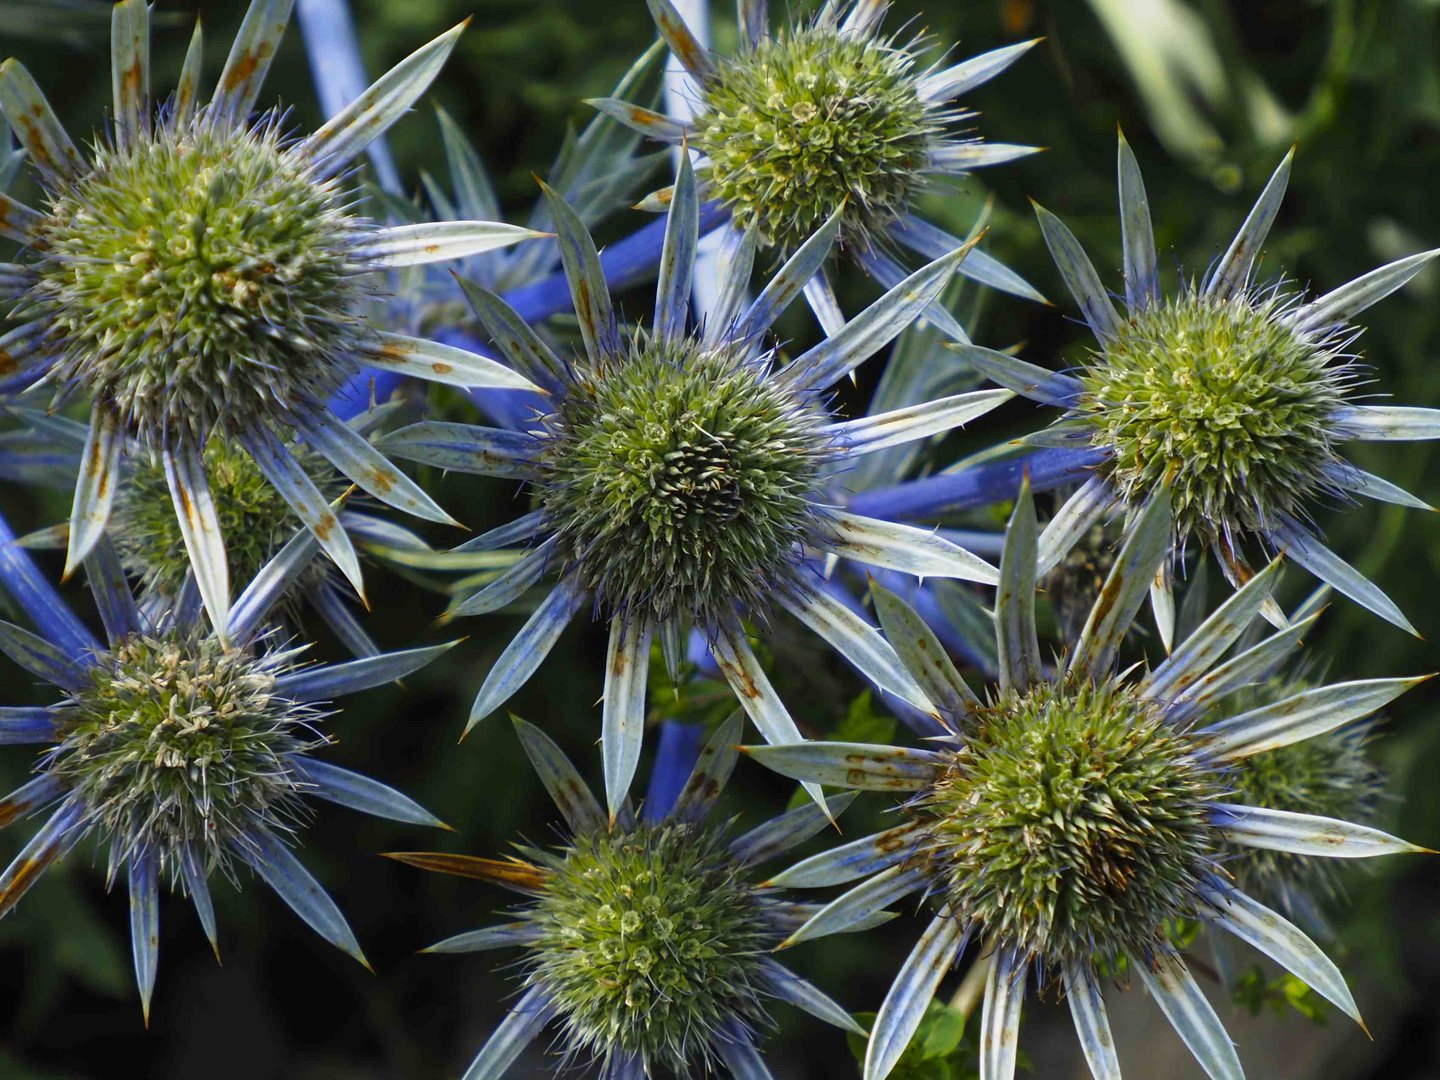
(182, 755)
(1076, 815)
(200, 273)
(830, 118)
(1238, 394)
(644, 939)
(682, 478)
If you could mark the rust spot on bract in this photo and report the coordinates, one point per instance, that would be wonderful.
(324, 527)
(704, 785)
(740, 675)
(96, 467)
(393, 350)
(872, 781)
(432, 249)
(186, 506)
(35, 143)
(24, 875)
(11, 808)
(441, 368)
(619, 664)
(895, 839)
(242, 72)
(131, 79)
(382, 480)
(7, 362)
(1106, 601)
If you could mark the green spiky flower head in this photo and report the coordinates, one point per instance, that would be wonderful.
(179, 745)
(1225, 398)
(1072, 822)
(678, 478)
(197, 276)
(649, 944)
(812, 119)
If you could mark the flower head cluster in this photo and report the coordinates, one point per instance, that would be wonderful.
(644, 939)
(678, 477)
(200, 275)
(829, 122)
(1075, 816)
(1237, 395)
(183, 755)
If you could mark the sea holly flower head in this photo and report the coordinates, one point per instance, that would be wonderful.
(685, 476)
(1239, 395)
(682, 477)
(201, 273)
(828, 117)
(646, 940)
(183, 756)
(1077, 815)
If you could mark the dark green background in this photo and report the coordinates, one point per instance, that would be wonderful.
(1358, 83)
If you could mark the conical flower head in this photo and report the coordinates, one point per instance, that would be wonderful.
(1077, 815)
(1240, 396)
(199, 278)
(644, 938)
(1227, 398)
(180, 747)
(200, 273)
(828, 118)
(182, 755)
(1073, 822)
(812, 118)
(679, 478)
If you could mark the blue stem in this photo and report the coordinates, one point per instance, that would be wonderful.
(679, 751)
(970, 489)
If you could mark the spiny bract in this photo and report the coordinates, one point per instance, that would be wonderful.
(1333, 775)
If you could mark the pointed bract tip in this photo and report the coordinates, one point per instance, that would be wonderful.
(442, 825)
(788, 943)
(360, 956)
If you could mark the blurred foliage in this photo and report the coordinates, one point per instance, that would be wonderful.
(1210, 94)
